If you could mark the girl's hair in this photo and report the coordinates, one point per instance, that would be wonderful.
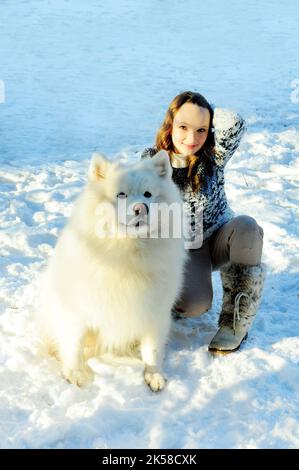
(164, 140)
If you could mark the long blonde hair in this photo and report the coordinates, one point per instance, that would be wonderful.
(164, 140)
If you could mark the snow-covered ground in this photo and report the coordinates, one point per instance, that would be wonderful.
(100, 75)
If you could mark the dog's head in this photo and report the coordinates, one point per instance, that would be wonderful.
(136, 200)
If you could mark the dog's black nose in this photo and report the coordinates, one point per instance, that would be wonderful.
(141, 209)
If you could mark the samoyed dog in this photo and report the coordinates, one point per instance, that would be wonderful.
(113, 278)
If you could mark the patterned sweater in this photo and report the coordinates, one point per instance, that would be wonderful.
(208, 207)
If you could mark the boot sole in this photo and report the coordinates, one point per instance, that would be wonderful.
(224, 352)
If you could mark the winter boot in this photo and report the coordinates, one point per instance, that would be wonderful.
(242, 291)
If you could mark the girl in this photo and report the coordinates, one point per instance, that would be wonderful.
(200, 141)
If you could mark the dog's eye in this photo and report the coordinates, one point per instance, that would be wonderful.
(147, 194)
(122, 195)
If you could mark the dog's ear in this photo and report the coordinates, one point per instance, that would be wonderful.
(98, 167)
(162, 164)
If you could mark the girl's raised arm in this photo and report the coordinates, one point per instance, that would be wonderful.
(229, 129)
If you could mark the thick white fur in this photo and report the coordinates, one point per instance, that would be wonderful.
(111, 294)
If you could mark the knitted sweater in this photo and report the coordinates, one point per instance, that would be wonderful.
(208, 207)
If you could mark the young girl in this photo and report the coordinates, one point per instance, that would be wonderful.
(200, 141)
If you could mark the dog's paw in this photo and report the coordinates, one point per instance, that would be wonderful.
(79, 377)
(155, 381)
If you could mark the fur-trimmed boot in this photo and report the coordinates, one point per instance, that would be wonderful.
(242, 292)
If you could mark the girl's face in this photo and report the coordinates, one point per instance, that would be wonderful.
(190, 128)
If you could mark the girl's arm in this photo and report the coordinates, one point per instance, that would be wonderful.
(229, 129)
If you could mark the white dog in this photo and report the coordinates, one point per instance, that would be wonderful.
(110, 286)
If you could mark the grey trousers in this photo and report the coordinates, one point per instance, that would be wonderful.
(238, 241)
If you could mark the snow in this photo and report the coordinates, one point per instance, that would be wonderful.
(78, 77)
